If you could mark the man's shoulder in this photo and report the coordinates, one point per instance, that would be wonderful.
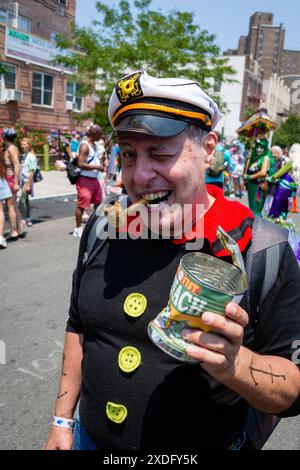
(233, 207)
(268, 234)
(83, 143)
(84, 148)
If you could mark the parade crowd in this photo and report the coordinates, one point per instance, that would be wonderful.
(236, 169)
(147, 331)
(256, 172)
(19, 172)
(125, 368)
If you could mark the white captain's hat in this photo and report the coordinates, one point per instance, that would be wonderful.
(160, 106)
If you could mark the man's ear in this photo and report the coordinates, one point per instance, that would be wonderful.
(209, 144)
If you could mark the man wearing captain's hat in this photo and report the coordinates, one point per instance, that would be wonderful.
(132, 395)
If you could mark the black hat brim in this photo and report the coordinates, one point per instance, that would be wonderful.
(151, 125)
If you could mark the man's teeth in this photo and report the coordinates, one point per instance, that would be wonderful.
(153, 196)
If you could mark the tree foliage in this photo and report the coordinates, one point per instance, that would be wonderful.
(3, 69)
(248, 112)
(131, 36)
(288, 133)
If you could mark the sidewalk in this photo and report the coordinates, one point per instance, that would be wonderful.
(54, 184)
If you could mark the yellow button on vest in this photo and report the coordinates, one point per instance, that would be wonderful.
(129, 359)
(116, 413)
(135, 305)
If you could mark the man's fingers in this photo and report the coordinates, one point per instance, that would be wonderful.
(236, 313)
(207, 357)
(209, 341)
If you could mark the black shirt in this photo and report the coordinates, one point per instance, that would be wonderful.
(170, 405)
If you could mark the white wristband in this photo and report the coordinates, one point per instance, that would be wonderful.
(63, 422)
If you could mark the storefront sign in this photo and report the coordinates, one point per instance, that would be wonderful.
(34, 50)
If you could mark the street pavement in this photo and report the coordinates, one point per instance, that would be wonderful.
(35, 284)
(34, 290)
(54, 183)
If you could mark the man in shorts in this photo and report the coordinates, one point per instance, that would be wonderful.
(87, 185)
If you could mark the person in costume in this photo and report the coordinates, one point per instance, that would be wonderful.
(286, 185)
(237, 169)
(261, 165)
(132, 395)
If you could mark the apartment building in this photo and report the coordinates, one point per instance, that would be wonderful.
(264, 43)
(290, 73)
(280, 68)
(244, 92)
(33, 90)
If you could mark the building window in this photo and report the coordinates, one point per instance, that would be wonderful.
(3, 16)
(9, 77)
(42, 89)
(24, 24)
(74, 96)
(53, 36)
(9, 17)
(61, 7)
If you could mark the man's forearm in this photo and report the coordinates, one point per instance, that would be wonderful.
(89, 167)
(70, 382)
(269, 383)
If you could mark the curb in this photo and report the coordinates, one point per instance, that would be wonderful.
(53, 196)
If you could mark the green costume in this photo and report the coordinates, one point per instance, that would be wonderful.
(256, 195)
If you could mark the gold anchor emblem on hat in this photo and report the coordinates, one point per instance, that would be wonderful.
(129, 88)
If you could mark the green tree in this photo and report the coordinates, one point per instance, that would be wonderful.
(3, 69)
(288, 133)
(248, 112)
(131, 36)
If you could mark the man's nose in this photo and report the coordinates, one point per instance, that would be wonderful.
(144, 171)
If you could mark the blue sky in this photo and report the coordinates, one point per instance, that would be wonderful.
(228, 19)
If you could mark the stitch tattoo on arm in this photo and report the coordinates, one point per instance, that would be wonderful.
(62, 395)
(62, 365)
(271, 374)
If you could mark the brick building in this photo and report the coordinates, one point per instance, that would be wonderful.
(279, 68)
(252, 85)
(264, 43)
(290, 72)
(33, 91)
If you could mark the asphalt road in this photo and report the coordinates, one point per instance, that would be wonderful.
(35, 283)
(45, 210)
(34, 290)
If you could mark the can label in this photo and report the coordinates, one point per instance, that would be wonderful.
(197, 288)
(189, 300)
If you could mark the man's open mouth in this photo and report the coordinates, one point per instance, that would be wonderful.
(157, 198)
